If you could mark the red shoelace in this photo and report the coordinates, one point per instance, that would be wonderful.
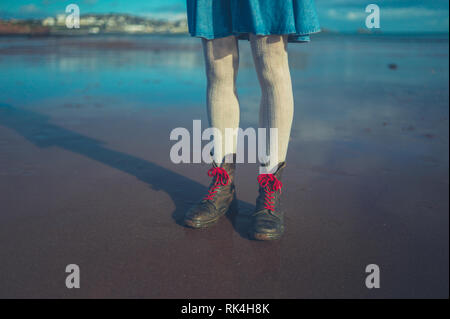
(222, 179)
(270, 184)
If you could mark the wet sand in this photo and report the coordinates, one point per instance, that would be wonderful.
(85, 178)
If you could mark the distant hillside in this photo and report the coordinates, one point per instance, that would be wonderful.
(94, 24)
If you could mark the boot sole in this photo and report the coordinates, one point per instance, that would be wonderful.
(267, 236)
(202, 224)
(198, 224)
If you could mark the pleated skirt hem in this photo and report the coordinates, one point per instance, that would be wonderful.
(244, 35)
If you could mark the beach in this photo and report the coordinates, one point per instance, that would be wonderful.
(86, 177)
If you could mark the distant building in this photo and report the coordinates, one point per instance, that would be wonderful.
(61, 20)
(49, 22)
(134, 28)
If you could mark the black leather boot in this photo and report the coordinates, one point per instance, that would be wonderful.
(220, 198)
(268, 218)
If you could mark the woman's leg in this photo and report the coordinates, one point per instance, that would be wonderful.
(222, 62)
(277, 102)
(276, 111)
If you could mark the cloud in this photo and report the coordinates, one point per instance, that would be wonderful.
(169, 15)
(388, 13)
(50, 2)
(29, 9)
(176, 7)
(90, 1)
(412, 12)
(349, 15)
(355, 4)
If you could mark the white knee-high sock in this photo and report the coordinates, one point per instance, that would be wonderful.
(277, 102)
(222, 63)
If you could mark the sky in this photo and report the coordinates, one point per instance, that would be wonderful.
(338, 15)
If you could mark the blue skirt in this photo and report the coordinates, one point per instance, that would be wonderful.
(212, 19)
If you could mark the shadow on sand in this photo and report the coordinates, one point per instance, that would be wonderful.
(38, 129)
